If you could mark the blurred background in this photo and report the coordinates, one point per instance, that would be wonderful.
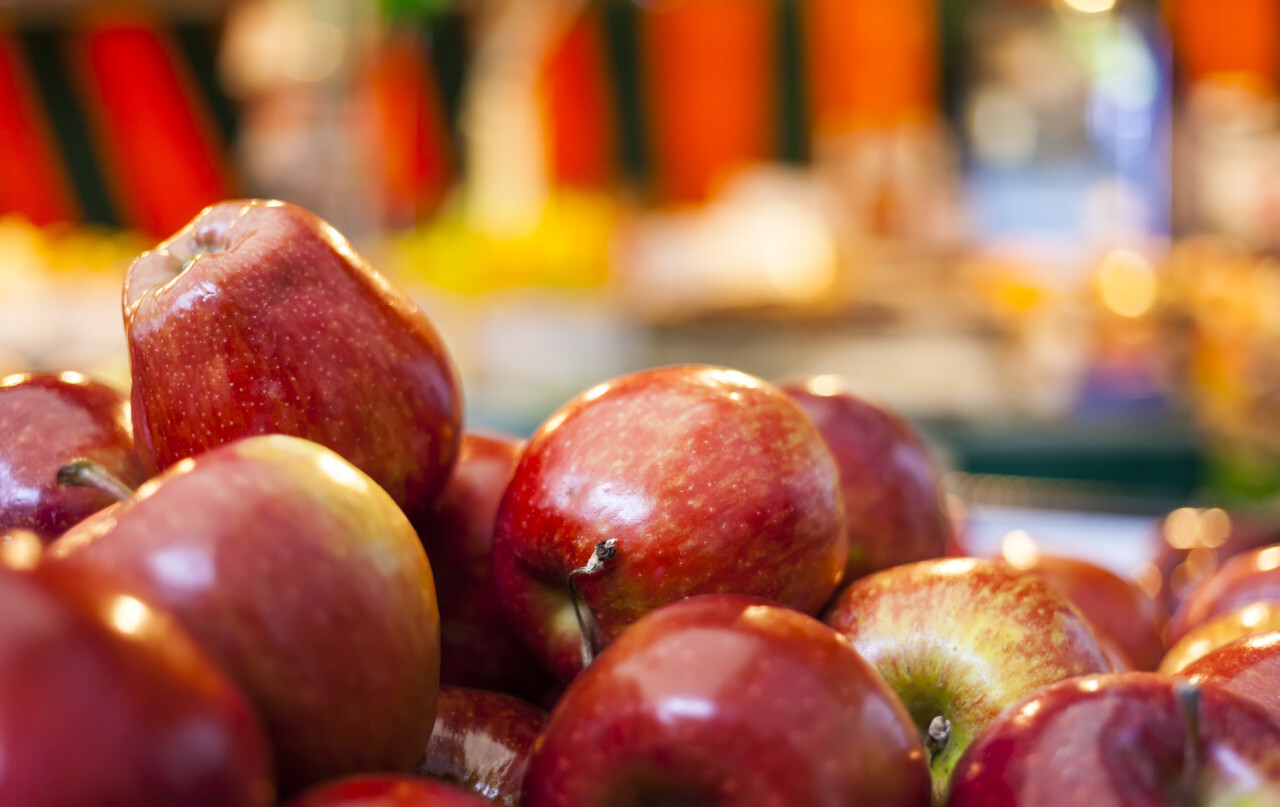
(1043, 230)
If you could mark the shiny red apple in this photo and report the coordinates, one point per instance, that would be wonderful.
(959, 640)
(893, 505)
(47, 420)
(303, 579)
(386, 791)
(706, 480)
(258, 317)
(731, 701)
(1123, 740)
(1249, 577)
(481, 742)
(1249, 667)
(1258, 617)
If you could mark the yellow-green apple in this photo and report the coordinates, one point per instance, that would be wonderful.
(732, 701)
(1126, 739)
(1249, 667)
(105, 701)
(481, 742)
(386, 790)
(1252, 576)
(704, 479)
(478, 646)
(304, 581)
(960, 639)
(259, 317)
(893, 506)
(47, 421)
(1258, 617)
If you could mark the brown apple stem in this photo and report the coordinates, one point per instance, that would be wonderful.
(604, 551)
(85, 473)
(1188, 697)
(939, 732)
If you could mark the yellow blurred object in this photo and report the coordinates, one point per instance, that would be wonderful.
(1126, 283)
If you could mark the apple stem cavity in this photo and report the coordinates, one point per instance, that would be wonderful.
(1188, 697)
(603, 553)
(85, 473)
(937, 735)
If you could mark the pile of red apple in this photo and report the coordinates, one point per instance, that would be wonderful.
(284, 572)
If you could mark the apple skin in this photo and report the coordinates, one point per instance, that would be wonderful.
(1258, 617)
(1252, 576)
(1117, 608)
(105, 701)
(481, 742)
(963, 638)
(893, 506)
(386, 791)
(258, 317)
(1116, 741)
(709, 480)
(306, 583)
(728, 700)
(48, 420)
(478, 646)
(1249, 667)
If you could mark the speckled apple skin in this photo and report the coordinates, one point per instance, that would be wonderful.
(278, 326)
(710, 480)
(481, 742)
(1249, 667)
(964, 638)
(893, 505)
(1119, 741)
(387, 791)
(304, 580)
(1253, 576)
(730, 701)
(46, 421)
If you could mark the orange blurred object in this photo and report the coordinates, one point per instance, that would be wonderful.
(578, 105)
(1234, 39)
(33, 181)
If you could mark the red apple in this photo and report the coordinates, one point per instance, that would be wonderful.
(1122, 740)
(959, 640)
(706, 479)
(478, 646)
(1191, 542)
(105, 701)
(304, 580)
(1249, 577)
(732, 701)
(1249, 667)
(386, 791)
(481, 742)
(258, 318)
(47, 421)
(1258, 617)
(893, 506)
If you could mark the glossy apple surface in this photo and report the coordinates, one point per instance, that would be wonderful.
(1122, 740)
(386, 791)
(708, 479)
(258, 318)
(304, 581)
(893, 506)
(104, 701)
(962, 638)
(1259, 617)
(1252, 576)
(478, 646)
(1249, 667)
(46, 421)
(732, 701)
(481, 742)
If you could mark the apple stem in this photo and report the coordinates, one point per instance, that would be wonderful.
(1188, 697)
(939, 732)
(604, 551)
(85, 473)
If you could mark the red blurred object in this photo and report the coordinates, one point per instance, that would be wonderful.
(578, 106)
(1228, 38)
(33, 181)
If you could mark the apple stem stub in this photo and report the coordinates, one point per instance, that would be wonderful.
(938, 733)
(603, 553)
(1188, 697)
(85, 473)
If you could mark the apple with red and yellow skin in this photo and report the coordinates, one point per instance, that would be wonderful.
(478, 646)
(303, 580)
(1249, 577)
(481, 742)
(47, 421)
(707, 480)
(105, 701)
(1249, 667)
(386, 791)
(731, 701)
(258, 317)
(1258, 617)
(1121, 740)
(959, 640)
(893, 505)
